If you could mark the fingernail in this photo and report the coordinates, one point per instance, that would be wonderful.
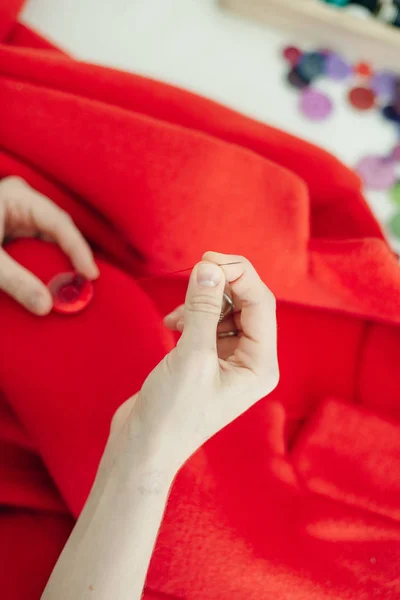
(180, 325)
(208, 274)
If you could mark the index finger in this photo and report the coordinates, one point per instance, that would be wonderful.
(257, 344)
(50, 219)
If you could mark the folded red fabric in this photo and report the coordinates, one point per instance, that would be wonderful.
(299, 498)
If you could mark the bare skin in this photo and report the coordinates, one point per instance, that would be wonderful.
(24, 212)
(197, 389)
(200, 387)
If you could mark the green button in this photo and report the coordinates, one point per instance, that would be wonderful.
(394, 225)
(395, 193)
(338, 2)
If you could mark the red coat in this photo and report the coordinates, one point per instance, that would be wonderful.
(299, 499)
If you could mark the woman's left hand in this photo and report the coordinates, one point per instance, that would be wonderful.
(24, 212)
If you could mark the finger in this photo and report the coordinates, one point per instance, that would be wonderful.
(23, 286)
(257, 343)
(2, 219)
(171, 320)
(228, 324)
(175, 321)
(55, 223)
(203, 306)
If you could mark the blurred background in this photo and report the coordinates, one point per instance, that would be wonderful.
(298, 65)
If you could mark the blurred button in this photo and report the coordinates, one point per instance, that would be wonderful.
(358, 11)
(315, 105)
(391, 114)
(337, 2)
(396, 104)
(376, 172)
(361, 98)
(395, 154)
(363, 68)
(324, 51)
(336, 67)
(396, 19)
(383, 84)
(387, 12)
(297, 80)
(292, 54)
(311, 65)
(394, 225)
(395, 193)
(373, 6)
(71, 292)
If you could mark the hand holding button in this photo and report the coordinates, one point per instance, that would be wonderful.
(24, 212)
(206, 381)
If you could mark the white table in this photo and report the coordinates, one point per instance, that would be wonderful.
(195, 45)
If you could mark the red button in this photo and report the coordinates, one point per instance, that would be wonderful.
(71, 292)
(292, 54)
(364, 69)
(362, 98)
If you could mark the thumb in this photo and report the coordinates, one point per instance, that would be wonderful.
(23, 286)
(203, 306)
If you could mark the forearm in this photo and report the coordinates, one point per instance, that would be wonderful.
(108, 553)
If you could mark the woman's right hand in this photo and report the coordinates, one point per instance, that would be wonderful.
(207, 382)
(201, 386)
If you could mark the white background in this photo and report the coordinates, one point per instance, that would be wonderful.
(196, 45)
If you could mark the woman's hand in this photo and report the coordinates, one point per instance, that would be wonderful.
(26, 213)
(200, 387)
(206, 381)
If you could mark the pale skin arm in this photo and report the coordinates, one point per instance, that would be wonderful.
(109, 550)
(200, 387)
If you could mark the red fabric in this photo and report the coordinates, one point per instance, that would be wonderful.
(299, 498)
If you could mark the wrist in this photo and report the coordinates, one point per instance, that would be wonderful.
(138, 456)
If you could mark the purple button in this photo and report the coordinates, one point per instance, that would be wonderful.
(336, 67)
(395, 154)
(383, 84)
(324, 51)
(377, 173)
(315, 105)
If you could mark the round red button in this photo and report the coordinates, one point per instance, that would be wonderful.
(71, 292)
(364, 69)
(362, 98)
(292, 54)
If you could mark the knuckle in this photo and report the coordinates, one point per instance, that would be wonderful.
(55, 228)
(66, 216)
(13, 180)
(242, 259)
(11, 185)
(204, 304)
